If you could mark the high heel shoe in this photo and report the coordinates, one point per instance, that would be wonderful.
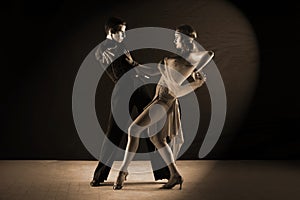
(172, 182)
(120, 180)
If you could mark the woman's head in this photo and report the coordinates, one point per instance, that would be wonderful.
(184, 37)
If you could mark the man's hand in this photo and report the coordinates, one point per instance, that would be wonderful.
(129, 59)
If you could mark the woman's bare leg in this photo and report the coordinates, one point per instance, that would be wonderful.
(150, 116)
(165, 152)
(131, 148)
(147, 118)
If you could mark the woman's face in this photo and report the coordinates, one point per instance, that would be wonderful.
(119, 35)
(178, 41)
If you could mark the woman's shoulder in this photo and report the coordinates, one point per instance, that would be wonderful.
(173, 56)
(177, 60)
(199, 54)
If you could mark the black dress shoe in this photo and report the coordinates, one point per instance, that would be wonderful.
(95, 183)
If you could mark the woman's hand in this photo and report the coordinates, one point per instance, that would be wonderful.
(199, 78)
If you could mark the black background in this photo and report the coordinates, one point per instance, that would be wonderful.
(31, 30)
(272, 126)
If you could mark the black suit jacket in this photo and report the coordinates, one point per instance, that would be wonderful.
(120, 65)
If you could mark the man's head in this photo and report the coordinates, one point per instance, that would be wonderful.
(115, 28)
(185, 42)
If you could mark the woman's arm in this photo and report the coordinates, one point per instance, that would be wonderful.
(201, 59)
(189, 87)
(148, 70)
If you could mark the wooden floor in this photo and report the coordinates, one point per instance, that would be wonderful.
(203, 180)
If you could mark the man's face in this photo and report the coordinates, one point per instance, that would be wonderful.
(177, 40)
(120, 35)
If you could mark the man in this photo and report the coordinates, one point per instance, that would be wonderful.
(106, 54)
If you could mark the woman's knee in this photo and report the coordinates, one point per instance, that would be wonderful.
(153, 139)
(158, 141)
(135, 130)
(132, 130)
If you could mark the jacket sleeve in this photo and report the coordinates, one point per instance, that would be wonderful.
(121, 66)
(109, 70)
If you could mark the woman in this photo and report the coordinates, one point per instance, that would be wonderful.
(174, 70)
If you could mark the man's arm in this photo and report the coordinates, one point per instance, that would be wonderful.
(141, 69)
(104, 58)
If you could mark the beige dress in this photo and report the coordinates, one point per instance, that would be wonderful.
(164, 95)
(174, 71)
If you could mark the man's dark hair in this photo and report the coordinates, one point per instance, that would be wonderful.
(114, 24)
